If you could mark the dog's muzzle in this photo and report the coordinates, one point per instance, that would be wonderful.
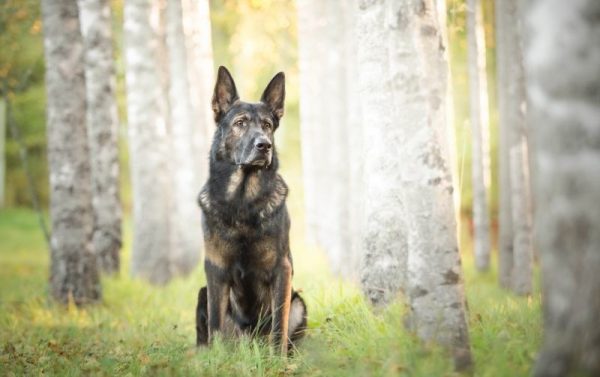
(260, 152)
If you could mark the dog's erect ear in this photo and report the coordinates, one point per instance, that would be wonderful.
(274, 95)
(225, 93)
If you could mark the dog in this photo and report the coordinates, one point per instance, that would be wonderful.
(246, 224)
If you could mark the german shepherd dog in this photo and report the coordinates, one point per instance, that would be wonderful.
(246, 225)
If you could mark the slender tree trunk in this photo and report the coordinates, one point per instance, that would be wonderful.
(353, 131)
(503, 58)
(185, 217)
(102, 124)
(73, 266)
(148, 144)
(312, 47)
(383, 266)
(516, 245)
(196, 26)
(479, 121)
(563, 72)
(521, 206)
(2, 151)
(325, 116)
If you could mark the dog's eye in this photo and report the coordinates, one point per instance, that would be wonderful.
(267, 126)
(240, 123)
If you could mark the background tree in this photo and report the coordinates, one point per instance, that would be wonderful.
(403, 72)
(515, 260)
(504, 27)
(148, 144)
(198, 40)
(478, 104)
(326, 62)
(73, 273)
(185, 218)
(102, 124)
(563, 72)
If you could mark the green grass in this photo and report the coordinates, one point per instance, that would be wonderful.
(143, 330)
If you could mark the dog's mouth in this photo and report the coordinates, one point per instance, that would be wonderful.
(259, 161)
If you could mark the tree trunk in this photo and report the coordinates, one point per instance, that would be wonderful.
(519, 164)
(563, 72)
(73, 266)
(102, 124)
(148, 144)
(383, 265)
(479, 121)
(516, 245)
(325, 114)
(353, 132)
(196, 27)
(503, 59)
(409, 190)
(310, 49)
(185, 217)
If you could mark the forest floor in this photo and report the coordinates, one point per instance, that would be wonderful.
(143, 330)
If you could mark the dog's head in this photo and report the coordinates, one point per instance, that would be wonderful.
(244, 134)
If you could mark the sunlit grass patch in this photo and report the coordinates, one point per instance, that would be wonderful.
(139, 329)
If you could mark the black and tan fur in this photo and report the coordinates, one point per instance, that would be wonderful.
(248, 262)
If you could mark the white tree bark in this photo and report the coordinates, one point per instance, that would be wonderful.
(503, 58)
(196, 27)
(102, 124)
(478, 105)
(326, 56)
(563, 72)
(311, 48)
(73, 268)
(383, 265)
(185, 216)
(403, 86)
(148, 144)
(516, 243)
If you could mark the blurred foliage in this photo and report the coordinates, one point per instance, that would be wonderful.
(22, 82)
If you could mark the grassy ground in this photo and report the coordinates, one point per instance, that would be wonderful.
(142, 330)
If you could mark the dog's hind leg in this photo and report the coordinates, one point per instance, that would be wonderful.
(297, 321)
(202, 318)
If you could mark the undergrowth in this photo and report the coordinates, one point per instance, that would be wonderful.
(139, 329)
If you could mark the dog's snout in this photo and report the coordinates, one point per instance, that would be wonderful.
(263, 144)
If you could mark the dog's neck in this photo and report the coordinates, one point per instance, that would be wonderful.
(240, 182)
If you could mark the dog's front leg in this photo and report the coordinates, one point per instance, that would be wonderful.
(281, 298)
(218, 298)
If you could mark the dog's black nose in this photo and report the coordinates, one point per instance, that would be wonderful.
(262, 144)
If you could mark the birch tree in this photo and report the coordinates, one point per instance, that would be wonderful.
(478, 105)
(185, 216)
(148, 144)
(196, 27)
(563, 72)
(73, 266)
(325, 113)
(102, 124)
(515, 244)
(403, 77)
(503, 58)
